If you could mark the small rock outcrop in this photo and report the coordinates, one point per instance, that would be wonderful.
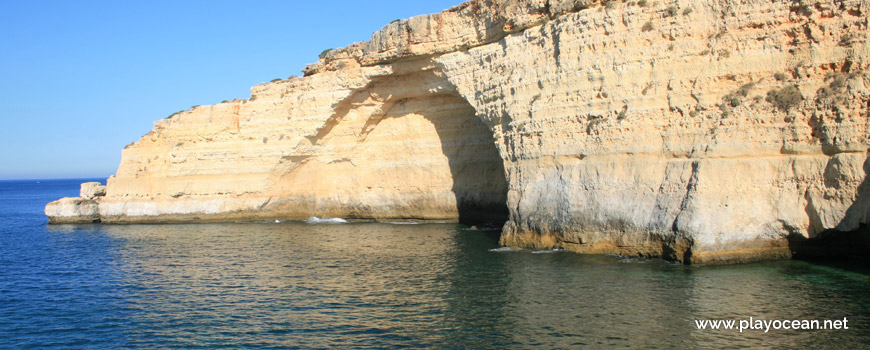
(91, 190)
(77, 210)
(703, 132)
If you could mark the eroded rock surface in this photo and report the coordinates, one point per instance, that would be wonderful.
(699, 131)
(77, 210)
(91, 190)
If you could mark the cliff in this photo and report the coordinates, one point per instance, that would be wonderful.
(698, 131)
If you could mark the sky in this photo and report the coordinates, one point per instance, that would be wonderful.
(79, 80)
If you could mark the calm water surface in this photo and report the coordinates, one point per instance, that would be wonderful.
(370, 285)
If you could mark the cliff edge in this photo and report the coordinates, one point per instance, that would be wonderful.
(698, 131)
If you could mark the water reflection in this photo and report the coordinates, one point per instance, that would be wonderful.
(781, 290)
(307, 285)
(477, 296)
(438, 285)
(567, 300)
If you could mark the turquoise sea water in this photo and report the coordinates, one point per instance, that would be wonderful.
(371, 285)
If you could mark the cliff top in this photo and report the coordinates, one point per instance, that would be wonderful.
(472, 23)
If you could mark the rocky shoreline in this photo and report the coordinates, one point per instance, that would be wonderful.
(84, 209)
(704, 132)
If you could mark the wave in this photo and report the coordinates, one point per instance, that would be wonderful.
(502, 249)
(548, 251)
(317, 220)
(402, 223)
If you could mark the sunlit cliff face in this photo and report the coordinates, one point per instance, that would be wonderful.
(406, 146)
(399, 143)
(636, 130)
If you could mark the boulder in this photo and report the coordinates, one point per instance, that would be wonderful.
(73, 210)
(91, 190)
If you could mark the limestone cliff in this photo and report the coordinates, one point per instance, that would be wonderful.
(84, 209)
(699, 131)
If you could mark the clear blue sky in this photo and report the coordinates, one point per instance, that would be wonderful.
(79, 80)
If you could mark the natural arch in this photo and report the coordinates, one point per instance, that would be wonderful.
(405, 147)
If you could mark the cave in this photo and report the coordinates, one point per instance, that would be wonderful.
(477, 170)
(407, 146)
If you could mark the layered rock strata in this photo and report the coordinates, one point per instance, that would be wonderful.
(699, 131)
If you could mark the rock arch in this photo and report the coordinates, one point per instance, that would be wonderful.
(406, 146)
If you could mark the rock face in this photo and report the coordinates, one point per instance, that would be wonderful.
(77, 210)
(91, 190)
(699, 131)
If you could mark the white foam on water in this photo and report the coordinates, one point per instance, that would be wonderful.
(317, 220)
(502, 249)
(403, 223)
(548, 251)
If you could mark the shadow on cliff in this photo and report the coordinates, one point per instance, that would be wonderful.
(476, 170)
(837, 245)
(476, 167)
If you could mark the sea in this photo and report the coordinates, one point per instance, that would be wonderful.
(329, 283)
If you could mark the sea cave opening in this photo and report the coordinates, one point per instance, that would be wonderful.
(476, 167)
(406, 146)
(476, 170)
